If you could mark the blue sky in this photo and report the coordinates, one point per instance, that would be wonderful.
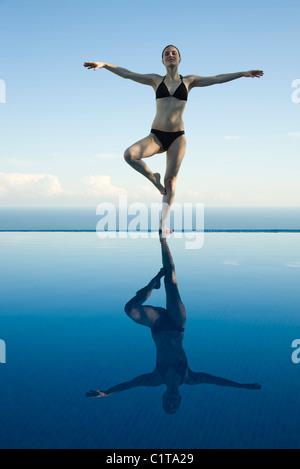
(64, 129)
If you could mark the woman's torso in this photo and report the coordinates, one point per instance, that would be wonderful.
(169, 110)
(169, 350)
(171, 360)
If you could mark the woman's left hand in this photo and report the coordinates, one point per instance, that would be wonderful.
(254, 73)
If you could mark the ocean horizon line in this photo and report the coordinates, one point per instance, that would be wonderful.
(233, 230)
(87, 220)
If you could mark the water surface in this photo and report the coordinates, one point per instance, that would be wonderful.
(62, 318)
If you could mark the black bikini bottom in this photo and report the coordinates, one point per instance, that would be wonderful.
(166, 138)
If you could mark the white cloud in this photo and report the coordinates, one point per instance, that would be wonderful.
(204, 197)
(293, 134)
(194, 195)
(18, 186)
(2, 191)
(233, 137)
(31, 185)
(229, 262)
(146, 193)
(100, 185)
(292, 264)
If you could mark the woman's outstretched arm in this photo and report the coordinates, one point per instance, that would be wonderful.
(149, 379)
(144, 79)
(197, 81)
(204, 378)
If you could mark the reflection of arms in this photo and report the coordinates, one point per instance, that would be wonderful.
(150, 379)
(204, 378)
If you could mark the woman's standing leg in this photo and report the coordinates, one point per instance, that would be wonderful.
(175, 155)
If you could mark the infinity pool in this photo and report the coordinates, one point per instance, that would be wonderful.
(66, 332)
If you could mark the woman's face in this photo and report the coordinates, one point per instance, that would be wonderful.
(171, 57)
(171, 401)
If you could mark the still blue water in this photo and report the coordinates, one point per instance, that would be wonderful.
(62, 318)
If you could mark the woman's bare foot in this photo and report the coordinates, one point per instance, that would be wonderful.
(158, 184)
(164, 232)
(156, 281)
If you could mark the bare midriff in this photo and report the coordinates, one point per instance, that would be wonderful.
(169, 346)
(169, 112)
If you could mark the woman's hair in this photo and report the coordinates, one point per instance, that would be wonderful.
(170, 45)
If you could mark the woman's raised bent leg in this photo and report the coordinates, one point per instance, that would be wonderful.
(145, 148)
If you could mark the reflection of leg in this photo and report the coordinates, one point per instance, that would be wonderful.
(175, 155)
(167, 258)
(145, 315)
(140, 298)
(175, 308)
(155, 283)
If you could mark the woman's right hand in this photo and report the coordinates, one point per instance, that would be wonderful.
(94, 65)
(96, 394)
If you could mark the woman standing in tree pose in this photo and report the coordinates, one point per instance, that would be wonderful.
(167, 133)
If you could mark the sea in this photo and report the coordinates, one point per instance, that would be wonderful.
(86, 219)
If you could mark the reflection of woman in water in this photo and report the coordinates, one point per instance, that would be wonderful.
(167, 327)
(167, 133)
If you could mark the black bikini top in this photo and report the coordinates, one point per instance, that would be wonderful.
(180, 93)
